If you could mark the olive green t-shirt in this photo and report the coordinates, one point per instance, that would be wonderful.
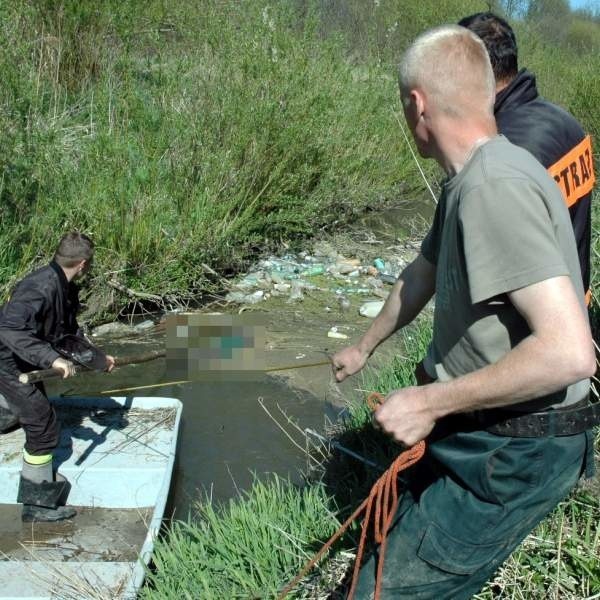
(500, 225)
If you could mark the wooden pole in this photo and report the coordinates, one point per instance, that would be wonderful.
(42, 375)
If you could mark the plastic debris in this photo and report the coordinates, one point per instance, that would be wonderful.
(112, 329)
(144, 325)
(242, 298)
(313, 270)
(296, 291)
(371, 309)
(391, 279)
(290, 275)
(334, 333)
(345, 268)
(374, 282)
(379, 264)
(352, 290)
(343, 302)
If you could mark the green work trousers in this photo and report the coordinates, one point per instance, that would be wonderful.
(469, 503)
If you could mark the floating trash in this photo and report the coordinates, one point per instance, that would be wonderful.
(390, 279)
(144, 325)
(313, 270)
(289, 275)
(334, 333)
(379, 264)
(112, 329)
(296, 291)
(343, 302)
(371, 309)
(242, 298)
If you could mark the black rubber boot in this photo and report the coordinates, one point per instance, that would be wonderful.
(40, 514)
(41, 501)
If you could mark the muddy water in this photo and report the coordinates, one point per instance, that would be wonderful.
(227, 437)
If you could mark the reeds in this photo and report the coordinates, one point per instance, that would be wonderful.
(190, 134)
(245, 549)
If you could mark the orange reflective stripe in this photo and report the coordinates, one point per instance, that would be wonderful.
(574, 172)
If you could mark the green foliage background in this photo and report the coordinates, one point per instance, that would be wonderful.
(184, 133)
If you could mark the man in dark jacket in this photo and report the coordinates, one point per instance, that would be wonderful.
(41, 310)
(549, 132)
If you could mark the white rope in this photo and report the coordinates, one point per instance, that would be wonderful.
(415, 157)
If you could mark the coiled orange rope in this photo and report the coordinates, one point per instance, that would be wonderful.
(384, 495)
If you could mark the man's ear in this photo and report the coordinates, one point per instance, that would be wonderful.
(418, 100)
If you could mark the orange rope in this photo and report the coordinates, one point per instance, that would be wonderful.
(385, 487)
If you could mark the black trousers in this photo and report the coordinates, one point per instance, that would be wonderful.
(36, 415)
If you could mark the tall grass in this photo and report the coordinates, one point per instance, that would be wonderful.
(185, 133)
(244, 550)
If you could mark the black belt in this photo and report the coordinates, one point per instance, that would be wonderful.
(570, 420)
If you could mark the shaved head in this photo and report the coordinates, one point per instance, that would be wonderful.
(451, 66)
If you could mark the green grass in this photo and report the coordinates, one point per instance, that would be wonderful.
(188, 133)
(559, 559)
(247, 549)
(184, 135)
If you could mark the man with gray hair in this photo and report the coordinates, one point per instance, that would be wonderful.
(497, 399)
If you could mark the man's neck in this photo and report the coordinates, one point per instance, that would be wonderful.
(460, 141)
(70, 272)
(501, 85)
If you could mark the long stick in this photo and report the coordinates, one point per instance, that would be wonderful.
(345, 450)
(35, 376)
(415, 157)
(182, 381)
(42, 375)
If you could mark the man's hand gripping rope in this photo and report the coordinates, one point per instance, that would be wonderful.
(384, 497)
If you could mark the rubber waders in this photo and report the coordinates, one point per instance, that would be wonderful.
(43, 497)
(8, 421)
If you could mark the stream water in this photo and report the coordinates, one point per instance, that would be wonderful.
(227, 435)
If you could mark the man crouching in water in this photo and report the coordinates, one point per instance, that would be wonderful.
(41, 310)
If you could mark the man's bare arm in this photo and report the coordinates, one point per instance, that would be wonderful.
(558, 352)
(410, 294)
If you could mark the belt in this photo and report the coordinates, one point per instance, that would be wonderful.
(570, 420)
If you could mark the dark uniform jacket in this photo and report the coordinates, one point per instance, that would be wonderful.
(41, 310)
(557, 140)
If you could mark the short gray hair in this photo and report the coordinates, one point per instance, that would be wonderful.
(452, 66)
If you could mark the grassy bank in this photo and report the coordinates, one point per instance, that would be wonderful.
(259, 541)
(183, 134)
